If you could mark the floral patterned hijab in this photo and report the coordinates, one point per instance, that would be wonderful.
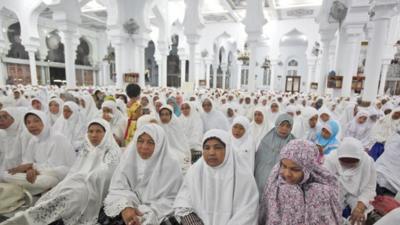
(315, 200)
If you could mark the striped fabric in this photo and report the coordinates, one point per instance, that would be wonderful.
(191, 219)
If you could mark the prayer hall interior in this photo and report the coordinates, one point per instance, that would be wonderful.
(199, 112)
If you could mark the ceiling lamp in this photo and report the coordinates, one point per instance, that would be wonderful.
(338, 11)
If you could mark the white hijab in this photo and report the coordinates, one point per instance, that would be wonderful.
(149, 185)
(90, 111)
(14, 142)
(72, 128)
(307, 132)
(385, 127)
(355, 181)
(53, 117)
(359, 131)
(192, 127)
(118, 121)
(387, 164)
(178, 146)
(260, 130)
(244, 146)
(50, 152)
(222, 195)
(214, 119)
(88, 179)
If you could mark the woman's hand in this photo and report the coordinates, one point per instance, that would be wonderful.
(357, 215)
(131, 216)
(23, 168)
(31, 175)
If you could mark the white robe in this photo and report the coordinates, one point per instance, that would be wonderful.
(258, 131)
(51, 155)
(356, 184)
(192, 128)
(222, 195)
(119, 122)
(79, 197)
(244, 146)
(148, 185)
(72, 128)
(388, 165)
(214, 120)
(14, 141)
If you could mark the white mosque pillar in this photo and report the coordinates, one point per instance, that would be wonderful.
(254, 22)
(183, 69)
(382, 82)
(208, 71)
(383, 12)
(326, 39)
(162, 76)
(215, 68)
(70, 40)
(310, 74)
(3, 52)
(224, 68)
(140, 42)
(193, 41)
(32, 65)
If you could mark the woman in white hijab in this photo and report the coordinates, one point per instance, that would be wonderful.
(218, 189)
(388, 166)
(193, 128)
(260, 126)
(212, 118)
(359, 128)
(146, 181)
(174, 131)
(273, 112)
(297, 126)
(78, 198)
(357, 176)
(71, 125)
(88, 105)
(15, 139)
(47, 159)
(118, 122)
(38, 104)
(347, 116)
(242, 141)
(309, 124)
(56, 106)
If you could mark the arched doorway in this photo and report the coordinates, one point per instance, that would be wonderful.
(173, 64)
(151, 73)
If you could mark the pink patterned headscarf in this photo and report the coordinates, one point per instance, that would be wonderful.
(314, 201)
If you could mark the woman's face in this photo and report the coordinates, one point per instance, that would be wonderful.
(185, 108)
(67, 112)
(171, 102)
(349, 163)
(284, 129)
(274, 108)
(54, 107)
(145, 146)
(230, 112)
(207, 106)
(362, 119)
(34, 124)
(325, 133)
(165, 116)
(258, 117)
(213, 152)
(36, 105)
(324, 117)
(144, 101)
(238, 131)
(313, 121)
(291, 172)
(96, 134)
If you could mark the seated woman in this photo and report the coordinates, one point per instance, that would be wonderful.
(212, 118)
(78, 198)
(192, 128)
(267, 154)
(259, 127)
(47, 159)
(55, 109)
(359, 128)
(357, 177)
(177, 141)
(388, 167)
(71, 125)
(145, 183)
(309, 123)
(242, 141)
(218, 189)
(326, 138)
(118, 122)
(299, 190)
